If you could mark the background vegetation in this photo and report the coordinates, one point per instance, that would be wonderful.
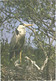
(39, 39)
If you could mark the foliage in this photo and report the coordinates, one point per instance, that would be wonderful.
(26, 68)
(41, 13)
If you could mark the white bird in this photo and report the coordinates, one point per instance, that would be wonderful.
(17, 40)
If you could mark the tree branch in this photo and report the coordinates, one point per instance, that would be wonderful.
(33, 30)
(34, 63)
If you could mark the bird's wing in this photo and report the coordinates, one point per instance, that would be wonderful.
(13, 41)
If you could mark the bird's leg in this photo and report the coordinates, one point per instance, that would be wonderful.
(20, 57)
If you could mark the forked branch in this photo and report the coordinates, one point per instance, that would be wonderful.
(34, 63)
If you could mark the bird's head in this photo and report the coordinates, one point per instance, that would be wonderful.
(21, 29)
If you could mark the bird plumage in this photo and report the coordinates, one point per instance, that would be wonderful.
(17, 40)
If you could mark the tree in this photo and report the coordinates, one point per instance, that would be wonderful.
(40, 13)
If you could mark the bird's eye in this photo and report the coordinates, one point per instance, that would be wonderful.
(17, 32)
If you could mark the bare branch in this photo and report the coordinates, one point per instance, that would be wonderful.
(45, 62)
(34, 63)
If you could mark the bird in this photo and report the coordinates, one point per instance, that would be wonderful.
(17, 41)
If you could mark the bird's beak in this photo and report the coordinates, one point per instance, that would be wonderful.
(28, 24)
